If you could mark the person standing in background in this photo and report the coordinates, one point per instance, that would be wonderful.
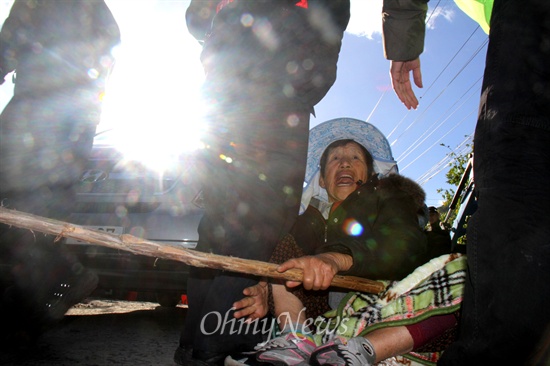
(267, 64)
(439, 237)
(61, 54)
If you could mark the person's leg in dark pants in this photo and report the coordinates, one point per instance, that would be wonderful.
(253, 203)
(44, 146)
(261, 89)
(505, 313)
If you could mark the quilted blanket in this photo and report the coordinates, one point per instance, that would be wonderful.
(435, 288)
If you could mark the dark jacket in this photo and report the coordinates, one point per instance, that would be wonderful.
(439, 239)
(56, 45)
(200, 13)
(377, 225)
(404, 28)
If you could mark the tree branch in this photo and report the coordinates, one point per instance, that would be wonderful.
(191, 257)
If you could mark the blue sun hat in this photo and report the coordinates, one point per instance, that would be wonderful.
(326, 133)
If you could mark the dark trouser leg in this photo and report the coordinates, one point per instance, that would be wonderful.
(505, 310)
(253, 178)
(214, 323)
(505, 313)
(35, 267)
(38, 178)
(37, 263)
(250, 206)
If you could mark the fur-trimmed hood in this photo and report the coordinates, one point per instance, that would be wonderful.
(395, 182)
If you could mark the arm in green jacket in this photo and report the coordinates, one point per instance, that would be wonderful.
(404, 28)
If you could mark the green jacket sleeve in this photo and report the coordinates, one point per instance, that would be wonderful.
(404, 28)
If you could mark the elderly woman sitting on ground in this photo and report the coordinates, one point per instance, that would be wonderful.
(370, 228)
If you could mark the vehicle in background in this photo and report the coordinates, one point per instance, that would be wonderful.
(158, 200)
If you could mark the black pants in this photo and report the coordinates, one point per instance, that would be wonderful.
(262, 83)
(45, 141)
(505, 316)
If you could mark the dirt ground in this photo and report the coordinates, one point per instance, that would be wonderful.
(101, 332)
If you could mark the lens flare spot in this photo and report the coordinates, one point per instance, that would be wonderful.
(138, 231)
(28, 140)
(288, 190)
(121, 211)
(133, 196)
(243, 209)
(263, 30)
(93, 73)
(226, 158)
(308, 64)
(247, 20)
(293, 120)
(352, 227)
(292, 67)
(289, 91)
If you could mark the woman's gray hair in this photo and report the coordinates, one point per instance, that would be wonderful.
(368, 157)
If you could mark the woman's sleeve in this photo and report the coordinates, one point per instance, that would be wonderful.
(391, 244)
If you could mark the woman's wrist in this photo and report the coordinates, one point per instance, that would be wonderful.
(343, 262)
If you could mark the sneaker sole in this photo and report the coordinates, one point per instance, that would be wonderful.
(73, 295)
(229, 361)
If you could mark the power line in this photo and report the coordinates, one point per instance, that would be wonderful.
(437, 77)
(444, 165)
(425, 151)
(376, 106)
(444, 89)
(432, 13)
(448, 115)
(439, 170)
(450, 61)
(461, 149)
(398, 124)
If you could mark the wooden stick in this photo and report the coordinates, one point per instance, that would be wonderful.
(191, 257)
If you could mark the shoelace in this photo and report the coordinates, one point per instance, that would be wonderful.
(58, 294)
(274, 343)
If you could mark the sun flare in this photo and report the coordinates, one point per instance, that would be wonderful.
(153, 95)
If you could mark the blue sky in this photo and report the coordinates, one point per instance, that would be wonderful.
(452, 68)
(157, 76)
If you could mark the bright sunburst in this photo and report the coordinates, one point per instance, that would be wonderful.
(153, 99)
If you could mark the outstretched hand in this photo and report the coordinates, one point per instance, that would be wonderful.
(254, 305)
(401, 83)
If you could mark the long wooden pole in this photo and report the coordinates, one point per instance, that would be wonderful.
(191, 257)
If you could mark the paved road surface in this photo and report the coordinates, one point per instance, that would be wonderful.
(107, 332)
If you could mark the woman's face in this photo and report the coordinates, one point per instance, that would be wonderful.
(345, 166)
